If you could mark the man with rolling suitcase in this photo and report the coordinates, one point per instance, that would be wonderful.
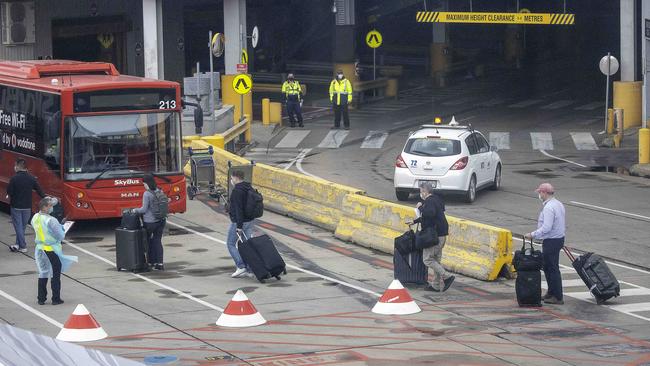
(551, 229)
(241, 226)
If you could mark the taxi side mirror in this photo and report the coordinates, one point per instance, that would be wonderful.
(494, 148)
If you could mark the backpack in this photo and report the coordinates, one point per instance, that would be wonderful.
(254, 207)
(160, 205)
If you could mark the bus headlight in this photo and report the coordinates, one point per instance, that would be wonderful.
(80, 195)
(85, 205)
(177, 189)
(177, 198)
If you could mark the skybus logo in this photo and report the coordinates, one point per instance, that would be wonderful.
(126, 182)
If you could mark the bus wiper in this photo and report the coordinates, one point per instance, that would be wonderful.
(90, 184)
(158, 175)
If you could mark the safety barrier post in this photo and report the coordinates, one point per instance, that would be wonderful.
(610, 121)
(627, 96)
(391, 88)
(266, 111)
(248, 135)
(620, 126)
(644, 146)
(275, 112)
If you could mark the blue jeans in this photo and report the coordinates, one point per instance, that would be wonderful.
(154, 241)
(231, 242)
(551, 253)
(20, 218)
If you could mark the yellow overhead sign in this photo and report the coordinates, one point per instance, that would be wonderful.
(494, 18)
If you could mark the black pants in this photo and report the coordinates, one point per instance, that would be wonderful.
(154, 240)
(294, 111)
(338, 110)
(56, 279)
(551, 253)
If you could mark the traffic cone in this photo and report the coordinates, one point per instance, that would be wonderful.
(81, 327)
(396, 300)
(240, 312)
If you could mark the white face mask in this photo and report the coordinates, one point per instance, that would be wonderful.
(339, 76)
(539, 196)
(146, 186)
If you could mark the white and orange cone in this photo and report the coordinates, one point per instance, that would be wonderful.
(81, 327)
(396, 300)
(240, 313)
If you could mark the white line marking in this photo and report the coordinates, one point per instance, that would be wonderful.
(583, 141)
(559, 104)
(31, 309)
(358, 288)
(631, 308)
(300, 155)
(561, 159)
(589, 107)
(586, 295)
(611, 210)
(299, 165)
(542, 140)
(180, 293)
(525, 103)
(292, 139)
(334, 139)
(567, 283)
(374, 140)
(500, 139)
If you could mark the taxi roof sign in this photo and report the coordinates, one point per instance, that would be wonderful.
(494, 18)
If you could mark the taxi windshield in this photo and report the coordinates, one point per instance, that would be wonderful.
(122, 145)
(433, 147)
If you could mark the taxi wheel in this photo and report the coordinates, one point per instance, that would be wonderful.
(496, 185)
(470, 194)
(402, 195)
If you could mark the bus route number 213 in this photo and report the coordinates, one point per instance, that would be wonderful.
(167, 104)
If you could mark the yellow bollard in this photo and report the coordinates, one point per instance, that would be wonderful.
(644, 146)
(627, 96)
(391, 88)
(266, 111)
(248, 135)
(610, 121)
(276, 112)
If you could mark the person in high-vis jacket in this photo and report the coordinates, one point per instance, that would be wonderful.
(341, 96)
(50, 260)
(292, 93)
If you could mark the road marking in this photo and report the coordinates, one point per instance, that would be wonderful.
(567, 283)
(299, 164)
(334, 139)
(631, 308)
(327, 278)
(583, 141)
(611, 210)
(542, 140)
(31, 309)
(178, 292)
(500, 139)
(559, 104)
(589, 107)
(525, 103)
(374, 140)
(292, 139)
(561, 159)
(586, 295)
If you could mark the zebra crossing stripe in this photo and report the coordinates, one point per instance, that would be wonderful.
(525, 103)
(559, 104)
(567, 283)
(542, 140)
(374, 140)
(586, 295)
(631, 308)
(334, 139)
(500, 139)
(583, 141)
(292, 139)
(589, 107)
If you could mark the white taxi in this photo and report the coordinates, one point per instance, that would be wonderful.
(455, 159)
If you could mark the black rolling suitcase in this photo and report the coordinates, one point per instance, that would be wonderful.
(595, 273)
(528, 287)
(410, 269)
(130, 220)
(130, 247)
(262, 257)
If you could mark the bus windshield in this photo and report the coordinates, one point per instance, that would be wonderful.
(121, 145)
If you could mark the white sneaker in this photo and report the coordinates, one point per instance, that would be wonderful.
(250, 274)
(23, 250)
(238, 272)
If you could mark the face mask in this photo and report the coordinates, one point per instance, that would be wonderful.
(339, 76)
(49, 210)
(539, 196)
(290, 78)
(146, 186)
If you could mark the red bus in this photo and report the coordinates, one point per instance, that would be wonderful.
(90, 134)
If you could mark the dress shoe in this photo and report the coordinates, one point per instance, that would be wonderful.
(553, 300)
(57, 302)
(448, 281)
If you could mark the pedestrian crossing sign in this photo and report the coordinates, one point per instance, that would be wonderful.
(373, 39)
(242, 84)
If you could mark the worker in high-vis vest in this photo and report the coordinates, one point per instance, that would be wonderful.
(341, 96)
(292, 93)
(49, 256)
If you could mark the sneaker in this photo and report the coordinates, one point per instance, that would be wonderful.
(431, 288)
(57, 302)
(23, 250)
(238, 272)
(14, 248)
(41, 302)
(448, 281)
(159, 266)
(553, 300)
(250, 274)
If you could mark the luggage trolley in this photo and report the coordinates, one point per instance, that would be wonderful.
(202, 172)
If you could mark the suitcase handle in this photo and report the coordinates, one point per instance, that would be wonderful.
(239, 239)
(523, 245)
(568, 253)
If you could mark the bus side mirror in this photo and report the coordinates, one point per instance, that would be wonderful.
(198, 118)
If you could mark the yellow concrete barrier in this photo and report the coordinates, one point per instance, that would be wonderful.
(266, 111)
(627, 96)
(473, 249)
(644, 146)
(391, 88)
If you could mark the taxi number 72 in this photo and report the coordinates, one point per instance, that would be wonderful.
(414, 163)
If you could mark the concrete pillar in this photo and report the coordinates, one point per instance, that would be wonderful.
(628, 40)
(439, 52)
(645, 46)
(152, 32)
(234, 24)
(344, 36)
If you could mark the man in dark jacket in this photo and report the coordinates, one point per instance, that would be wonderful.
(432, 214)
(240, 224)
(19, 192)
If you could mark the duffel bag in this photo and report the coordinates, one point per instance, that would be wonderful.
(527, 259)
